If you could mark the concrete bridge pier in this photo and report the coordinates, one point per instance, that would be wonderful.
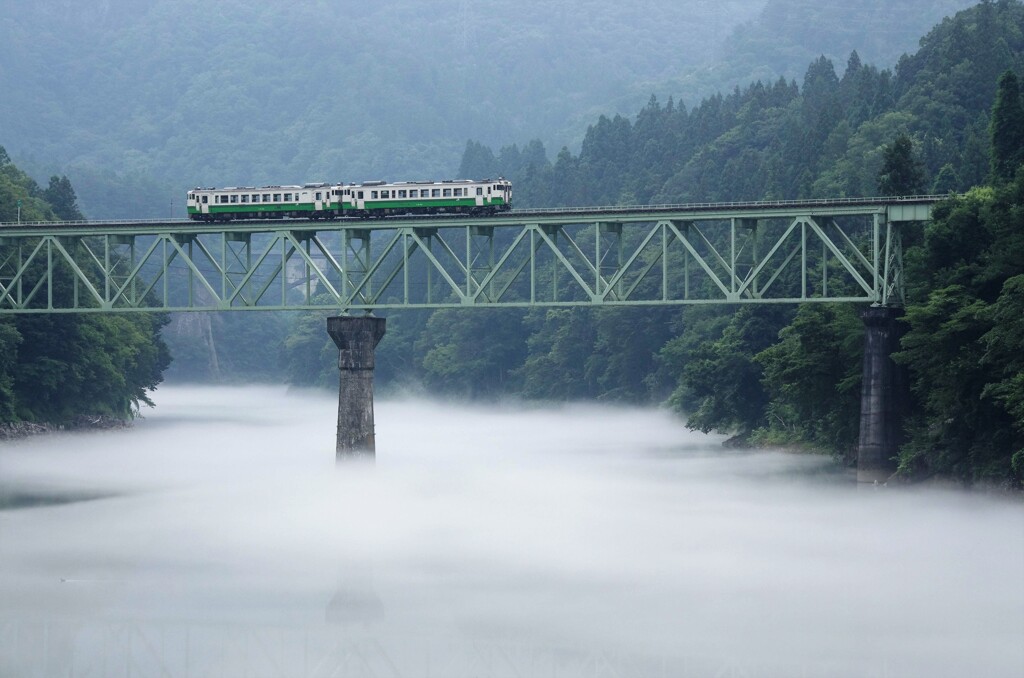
(356, 338)
(883, 398)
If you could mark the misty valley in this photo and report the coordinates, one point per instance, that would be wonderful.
(654, 397)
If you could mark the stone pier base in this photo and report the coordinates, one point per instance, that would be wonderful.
(883, 396)
(356, 338)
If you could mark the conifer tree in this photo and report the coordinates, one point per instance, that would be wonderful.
(901, 172)
(61, 196)
(1007, 129)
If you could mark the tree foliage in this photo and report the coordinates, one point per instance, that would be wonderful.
(813, 378)
(55, 368)
(901, 172)
(1007, 128)
(963, 345)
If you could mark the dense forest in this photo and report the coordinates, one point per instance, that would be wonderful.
(70, 369)
(945, 119)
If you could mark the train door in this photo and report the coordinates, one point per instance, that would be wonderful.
(204, 203)
(479, 196)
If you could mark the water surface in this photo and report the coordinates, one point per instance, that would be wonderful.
(218, 537)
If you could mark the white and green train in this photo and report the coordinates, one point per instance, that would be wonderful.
(369, 199)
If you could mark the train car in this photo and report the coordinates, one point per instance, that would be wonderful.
(379, 198)
(311, 201)
(368, 199)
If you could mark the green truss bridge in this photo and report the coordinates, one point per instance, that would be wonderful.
(758, 252)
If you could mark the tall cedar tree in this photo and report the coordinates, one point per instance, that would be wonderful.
(1007, 129)
(901, 173)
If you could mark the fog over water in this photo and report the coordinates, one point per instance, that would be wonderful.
(217, 537)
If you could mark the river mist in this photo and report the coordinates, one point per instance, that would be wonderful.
(218, 538)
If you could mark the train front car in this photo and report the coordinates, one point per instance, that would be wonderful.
(502, 194)
(463, 196)
(311, 201)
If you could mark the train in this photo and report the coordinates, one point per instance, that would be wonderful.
(368, 199)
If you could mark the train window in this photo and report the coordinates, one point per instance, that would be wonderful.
(205, 199)
(479, 190)
(435, 193)
(234, 199)
(287, 197)
(360, 195)
(447, 192)
(266, 197)
(373, 195)
(385, 194)
(403, 194)
(318, 195)
(255, 197)
(245, 198)
(277, 197)
(458, 192)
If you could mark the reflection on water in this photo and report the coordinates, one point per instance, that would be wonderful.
(218, 538)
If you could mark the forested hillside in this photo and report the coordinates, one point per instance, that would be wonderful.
(138, 101)
(777, 374)
(788, 34)
(167, 95)
(57, 369)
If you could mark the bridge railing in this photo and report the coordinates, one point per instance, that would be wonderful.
(733, 205)
(554, 211)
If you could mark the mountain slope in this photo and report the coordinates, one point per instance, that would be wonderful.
(194, 92)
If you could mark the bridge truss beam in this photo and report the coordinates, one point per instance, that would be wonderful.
(618, 257)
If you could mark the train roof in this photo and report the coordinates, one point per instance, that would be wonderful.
(375, 182)
(381, 182)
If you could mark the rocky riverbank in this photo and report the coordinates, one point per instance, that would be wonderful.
(24, 429)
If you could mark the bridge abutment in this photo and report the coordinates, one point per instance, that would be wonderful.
(883, 397)
(357, 339)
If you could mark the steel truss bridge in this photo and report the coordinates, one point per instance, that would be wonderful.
(761, 252)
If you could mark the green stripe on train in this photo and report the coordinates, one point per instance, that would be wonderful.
(412, 204)
(259, 207)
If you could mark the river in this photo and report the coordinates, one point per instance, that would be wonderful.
(218, 538)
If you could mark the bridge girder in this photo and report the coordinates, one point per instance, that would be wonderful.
(736, 254)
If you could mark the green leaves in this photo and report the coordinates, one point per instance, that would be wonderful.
(901, 173)
(1007, 129)
(56, 367)
(964, 348)
(813, 377)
